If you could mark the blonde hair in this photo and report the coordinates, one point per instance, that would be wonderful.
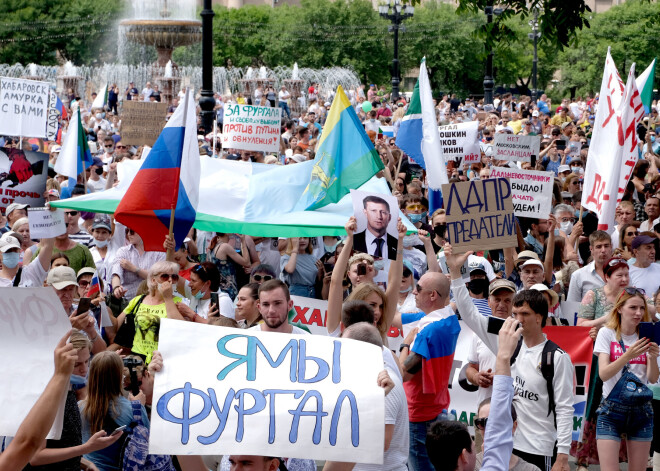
(360, 257)
(157, 269)
(80, 340)
(362, 292)
(289, 246)
(614, 322)
(103, 389)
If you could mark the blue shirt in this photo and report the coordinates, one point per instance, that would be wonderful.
(499, 432)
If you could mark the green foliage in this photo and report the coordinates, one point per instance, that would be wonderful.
(632, 30)
(560, 20)
(70, 29)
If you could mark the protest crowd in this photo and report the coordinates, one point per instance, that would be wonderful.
(410, 291)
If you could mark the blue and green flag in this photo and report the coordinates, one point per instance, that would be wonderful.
(345, 157)
(645, 86)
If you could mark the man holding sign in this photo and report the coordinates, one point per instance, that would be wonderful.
(274, 306)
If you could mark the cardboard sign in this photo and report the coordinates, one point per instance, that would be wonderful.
(23, 176)
(142, 122)
(23, 107)
(460, 142)
(267, 394)
(376, 216)
(531, 191)
(249, 127)
(32, 321)
(517, 148)
(45, 224)
(480, 215)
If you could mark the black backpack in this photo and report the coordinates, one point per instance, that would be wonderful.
(547, 370)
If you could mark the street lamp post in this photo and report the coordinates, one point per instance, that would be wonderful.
(396, 12)
(207, 101)
(488, 78)
(534, 36)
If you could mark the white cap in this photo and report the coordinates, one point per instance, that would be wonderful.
(563, 168)
(535, 113)
(531, 262)
(9, 242)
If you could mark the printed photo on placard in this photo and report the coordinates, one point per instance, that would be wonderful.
(376, 215)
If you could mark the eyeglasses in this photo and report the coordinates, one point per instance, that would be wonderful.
(71, 213)
(166, 276)
(481, 422)
(262, 277)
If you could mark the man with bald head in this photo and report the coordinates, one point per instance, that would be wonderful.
(424, 403)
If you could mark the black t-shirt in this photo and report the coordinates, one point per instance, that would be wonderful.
(454, 104)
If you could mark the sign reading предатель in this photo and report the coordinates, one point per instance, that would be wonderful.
(266, 394)
(480, 214)
(254, 128)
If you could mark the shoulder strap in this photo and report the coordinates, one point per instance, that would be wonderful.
(137, 304)
(17, 278)
(548, 372)
(516, 351)
(623, 350)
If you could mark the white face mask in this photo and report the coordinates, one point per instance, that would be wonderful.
(566, 226)
(101, 243)
(577, 170)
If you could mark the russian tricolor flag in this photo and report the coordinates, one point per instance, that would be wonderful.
(168, 178)
(436, 343)
(94, 286)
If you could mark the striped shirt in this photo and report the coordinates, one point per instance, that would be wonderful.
(129, 280)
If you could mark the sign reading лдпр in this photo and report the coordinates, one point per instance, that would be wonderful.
(254, 128)
(267, 394)
(142, 122)
(459, 142)
(480, 215)
(23, 107)
(531, 191)
(518, 148)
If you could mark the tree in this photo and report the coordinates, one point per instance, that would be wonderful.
(632, 30)
(43, 31)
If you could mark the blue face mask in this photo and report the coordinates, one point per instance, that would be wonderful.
(10, 259)
(199, 294)
(407, 290)
(415, 218)
(331, 248)
(652, 138)
(77, 382)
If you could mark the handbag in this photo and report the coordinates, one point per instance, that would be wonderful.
(126, 332)
(629, 389)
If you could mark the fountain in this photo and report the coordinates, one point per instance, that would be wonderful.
(248, 82)
(69, 79)
(33, 73)
(163, 24)
(294, 86)
(169, 84)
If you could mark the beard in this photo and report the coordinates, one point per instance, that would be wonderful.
(274, 323)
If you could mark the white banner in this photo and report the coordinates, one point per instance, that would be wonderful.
(52, 121)
(23, 107)
(32, 322)
(517, 148)
(611, 158)
(45, 223)
(531, 191)
(254, 128)
(295, 395)
(460, 142)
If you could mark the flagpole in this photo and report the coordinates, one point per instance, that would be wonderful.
(170, 252)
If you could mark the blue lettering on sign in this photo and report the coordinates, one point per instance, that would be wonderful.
(260, 400)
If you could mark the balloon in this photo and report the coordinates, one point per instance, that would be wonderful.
(366, 107)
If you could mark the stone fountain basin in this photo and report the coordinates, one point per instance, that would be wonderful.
(163, 33)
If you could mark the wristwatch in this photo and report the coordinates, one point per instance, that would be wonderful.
(402, 346)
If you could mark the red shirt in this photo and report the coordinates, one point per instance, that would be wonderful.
(423, 407)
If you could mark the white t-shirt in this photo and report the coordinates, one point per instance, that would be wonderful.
(296, 330)
(647, 278)
(606, 342)
(269, 254)
(32, 276)
(481, 355)
(96, 185)
(396, 413)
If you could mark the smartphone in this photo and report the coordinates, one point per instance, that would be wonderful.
(84, 305)
(494, 325)
(561, 144)
(214, 301)
(118, 430)
(379, 136)
(362, 269)
(328, 267)
(647, 330)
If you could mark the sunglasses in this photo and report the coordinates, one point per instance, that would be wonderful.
(615, 261)
(261, 277)
(83, 283)
(200, 269)
(480, 423)
(636, 233)
(121, 147)
(166, 276)
(415, 207)
(633, 291)
(108, 147)
(71, 213)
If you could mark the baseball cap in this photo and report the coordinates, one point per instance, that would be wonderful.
(98, 162)
(535, 113)
(8, 242)
(53, 192)
(56, 148)
(85, 271)
(563, 168)
(531, 262)
(641, 240)
(559, 108)
(544, 289)
(476, 267)
(102, 223)
(14, 206)
(61, 277)
(526, 255)
(567, 124)
(501, 284)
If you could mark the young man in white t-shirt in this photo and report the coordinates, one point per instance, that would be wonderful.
(274, 306)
